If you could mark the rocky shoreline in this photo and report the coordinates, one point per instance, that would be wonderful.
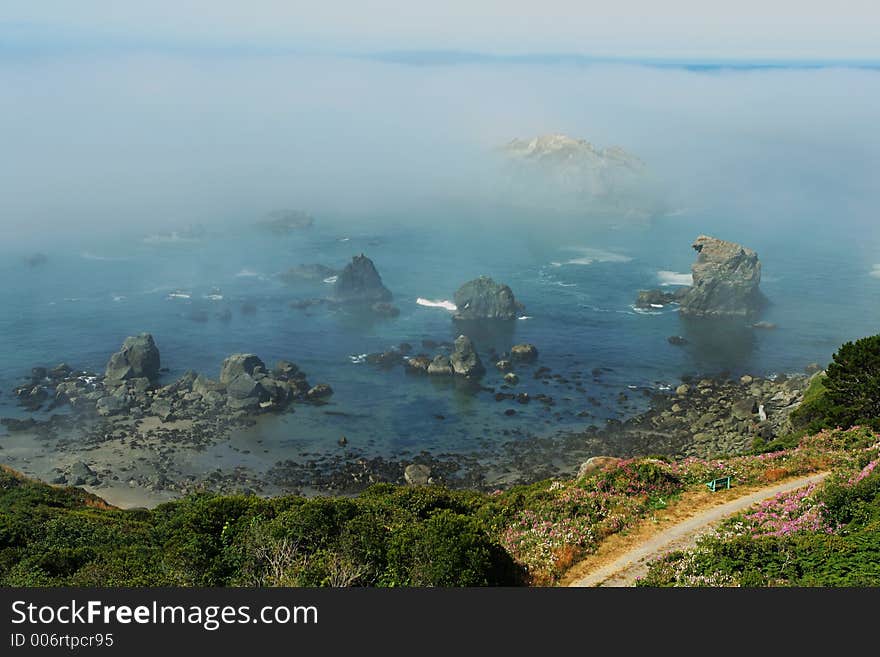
(135, 442)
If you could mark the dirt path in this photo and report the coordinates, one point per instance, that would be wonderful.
(620, 560)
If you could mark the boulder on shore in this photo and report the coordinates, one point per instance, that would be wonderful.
(138, 358)
(359, 282)
(238, 364)
(417, 474)
(482, 298)
(596, 463)
(726, 279)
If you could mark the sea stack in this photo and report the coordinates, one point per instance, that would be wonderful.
(726, 279)
(482, 298)
(359, 282)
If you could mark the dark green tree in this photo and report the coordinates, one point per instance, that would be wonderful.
(853, 382)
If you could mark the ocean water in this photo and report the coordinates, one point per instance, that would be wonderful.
(578, 285)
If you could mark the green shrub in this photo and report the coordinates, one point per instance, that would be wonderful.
(448, 549)
(853, 382)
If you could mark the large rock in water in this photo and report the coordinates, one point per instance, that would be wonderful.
(464, 359)
(360, 282)
(238, 364)
(726, 280)
(483, 298)
(138, 358)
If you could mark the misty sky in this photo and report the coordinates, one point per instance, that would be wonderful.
(176, 130)
(811, 29)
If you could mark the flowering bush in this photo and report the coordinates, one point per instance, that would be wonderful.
(787, 513)
(826, 535)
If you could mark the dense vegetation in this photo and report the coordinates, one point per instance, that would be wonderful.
(849, 392)
(388, 536)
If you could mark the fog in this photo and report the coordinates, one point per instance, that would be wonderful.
(143, 141)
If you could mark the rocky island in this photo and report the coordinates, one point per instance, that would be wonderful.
(560, 172)
(283, 222)
(484, 299)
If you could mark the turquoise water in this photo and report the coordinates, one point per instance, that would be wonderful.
(577, 285)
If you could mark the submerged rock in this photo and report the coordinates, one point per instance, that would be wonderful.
(726, 279)
(359, 282)
(385, 309)
(36, 259)
(483, 298)
(139, 357)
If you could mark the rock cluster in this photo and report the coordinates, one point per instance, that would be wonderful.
(484, 299)
(130, 388)
(725, 416)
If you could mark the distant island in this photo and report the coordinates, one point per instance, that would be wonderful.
(565, 173)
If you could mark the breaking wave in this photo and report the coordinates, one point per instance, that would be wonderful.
(444, 303)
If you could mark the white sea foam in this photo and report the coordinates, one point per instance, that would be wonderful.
(875, 272)
(331, 279)
(247, 273)
(444, 303)
(86, 255)
(674, 278)
(168, 238)
(117, 298)
(177, 294)
(214, 297)
(525, 317)
(590, 256)
(645, 311)
(358, 358)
